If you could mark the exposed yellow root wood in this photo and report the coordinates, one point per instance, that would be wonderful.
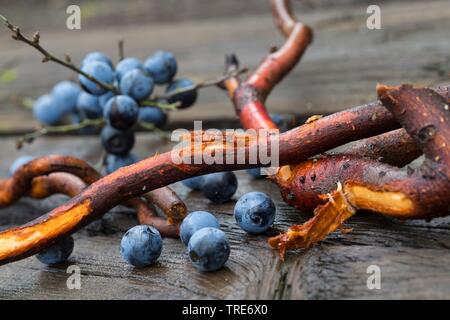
(21, 239)
(394, 203)
(284, 173)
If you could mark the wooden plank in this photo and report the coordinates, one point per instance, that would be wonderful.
(413, 256)
(340, 69)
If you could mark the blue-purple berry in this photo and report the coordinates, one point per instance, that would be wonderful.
(136, 84)
(48, 110)
(118, 142)
(184, 98)
(161, 66)
(195, 221)
(255, 212)
(219, 187)
(141, 246)
(126, 65)
(121, 112)
(58, 252)
(208, 249)
(67, 92)
(96, 56)
(153, 115)
(88, 106)
(100, 71)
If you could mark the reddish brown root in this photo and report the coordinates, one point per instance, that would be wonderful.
(396, 148)
(283, 16)
(167, 200)
(303, 185)
(70, 185)
(249, 96)
(295, 146)
(148, 216)
(33, 175)
(56, 183)
(405, 194)
(19, 184)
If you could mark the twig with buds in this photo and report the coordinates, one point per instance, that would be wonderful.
(67, 62)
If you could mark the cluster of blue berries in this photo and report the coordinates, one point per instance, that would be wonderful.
(133, 82)
(207, 246)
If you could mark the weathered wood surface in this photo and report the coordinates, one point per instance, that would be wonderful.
(340, 69)
(414, 257)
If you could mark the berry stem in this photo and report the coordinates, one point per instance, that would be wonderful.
(121, 50)
(30, 137)
(161, 105)
(67, 62)
(70, 176)
(202, 84)
(151, 127)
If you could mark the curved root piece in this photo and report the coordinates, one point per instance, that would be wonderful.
(283, 16)
(148, 216)
(19, 184)
(56, 183)
(129, 182)
(395, 147)
(167, 200)
(249, 96)
(70, 185)
(404, 194)
(327, 218)
(33, 175)
(156, 172)
(303, 185)
(42, 177)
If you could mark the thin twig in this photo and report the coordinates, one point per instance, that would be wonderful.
(30, 137)
(203, 84)
(67, 62)
(121, 49)
(161, 105)
(151, 127)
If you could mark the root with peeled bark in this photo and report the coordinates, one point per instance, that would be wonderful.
(48, 175)
(405, 194)
(71, 185)
(306, 184)
(375, 184)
